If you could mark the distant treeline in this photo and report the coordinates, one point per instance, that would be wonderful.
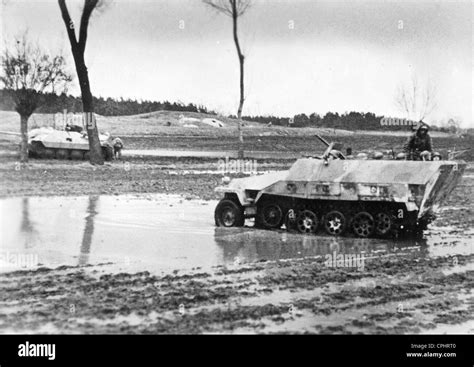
(348, 121)
(53, 103)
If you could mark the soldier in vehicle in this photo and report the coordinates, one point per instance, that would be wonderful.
(419, 146)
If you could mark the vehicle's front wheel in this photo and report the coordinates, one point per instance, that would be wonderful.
(228, 213)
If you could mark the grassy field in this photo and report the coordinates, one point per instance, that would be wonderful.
(156, 123)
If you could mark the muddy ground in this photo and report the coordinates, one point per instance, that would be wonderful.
(394, 293)
(296, 144)
(409, 292)
(78, 178)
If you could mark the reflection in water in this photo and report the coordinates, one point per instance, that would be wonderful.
(162, 232)
(257, 245)
(88, 230)
(27, 226)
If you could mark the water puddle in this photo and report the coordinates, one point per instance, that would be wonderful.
(161, 233)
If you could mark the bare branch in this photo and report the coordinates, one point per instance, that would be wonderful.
(414, 93)
(429, 99)
(28, 67)
(418, 103)
(68, 22)
(222, 6)
(89, 6)
(242, 6)
(229, 7)
(102, 6)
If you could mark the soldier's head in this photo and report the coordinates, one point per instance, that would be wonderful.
(423, 129)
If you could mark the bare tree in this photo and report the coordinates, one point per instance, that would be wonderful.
(27, 72)
(78, 47)
(453, 125)
(415, 100)
(235, 9)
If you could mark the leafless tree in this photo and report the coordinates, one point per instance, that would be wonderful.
(235, 9)
(454, 125)
(78, 47)
(27, 71)
(415, 100)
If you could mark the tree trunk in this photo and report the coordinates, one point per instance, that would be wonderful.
(95, 148)
(242, 94)
(24, 139)
(239, 111)
(78, 48)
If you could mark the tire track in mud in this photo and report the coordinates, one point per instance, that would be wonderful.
(394, 294)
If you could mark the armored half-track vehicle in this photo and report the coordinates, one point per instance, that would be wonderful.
(338, 195)
(60, 144)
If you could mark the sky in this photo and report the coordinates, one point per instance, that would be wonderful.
(301, 56)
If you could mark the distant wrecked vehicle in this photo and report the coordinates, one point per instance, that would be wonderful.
(338, 195)
(192, 121)
(60, 144)
(213, 122)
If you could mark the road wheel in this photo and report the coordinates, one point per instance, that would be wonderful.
(270, 216)
(334, 223)
(363, 224)
(229, 214)
(35, 149)
(62, 154)
(77, 154)
(48, 153)
(307, 222)
(383, 223)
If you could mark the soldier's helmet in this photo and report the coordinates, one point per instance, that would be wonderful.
(423, 127)
(436, 156)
